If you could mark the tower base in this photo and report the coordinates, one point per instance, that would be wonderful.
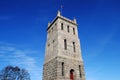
(60, 68)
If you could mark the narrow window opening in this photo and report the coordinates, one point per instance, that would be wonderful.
(49, 31)
(74, 31)
(65, 44)
(52, 29)
(55, 24)
(61, 26)
(48, 45)
(74, 46)
(62, 68)
(80, 71)
(53, 41)
(53, 44)
(68, 30)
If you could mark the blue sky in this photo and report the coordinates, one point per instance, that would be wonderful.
(23, 26)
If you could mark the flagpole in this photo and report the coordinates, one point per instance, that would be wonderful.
(61, 7)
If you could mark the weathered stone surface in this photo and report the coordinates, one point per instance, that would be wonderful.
(56, 55)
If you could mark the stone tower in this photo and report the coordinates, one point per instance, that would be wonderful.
(63, 59)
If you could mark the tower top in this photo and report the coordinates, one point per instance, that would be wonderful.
(75, 20)
(59, 16)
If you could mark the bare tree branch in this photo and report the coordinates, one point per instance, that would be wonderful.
(14, 73)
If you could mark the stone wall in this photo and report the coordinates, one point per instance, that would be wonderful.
(56, 54)
(53, 69)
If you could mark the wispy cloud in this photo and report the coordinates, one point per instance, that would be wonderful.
(20, 57)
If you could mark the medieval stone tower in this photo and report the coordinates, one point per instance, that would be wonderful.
(63, 59)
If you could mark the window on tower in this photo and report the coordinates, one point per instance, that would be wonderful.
(74, 31)
(68, 30)
(61, 26)
(55, 24)
(48, 44)
(62, 68)
(65, 44)
(74, 46)
(80, 71)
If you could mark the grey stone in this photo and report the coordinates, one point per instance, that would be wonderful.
(56, 55)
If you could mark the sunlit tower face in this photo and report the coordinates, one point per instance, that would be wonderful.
(63, 59)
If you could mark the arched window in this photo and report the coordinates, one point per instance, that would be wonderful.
(80, 73)
(68, 30)
(74, 46)
(65, 44)
(62, 68)
(61, 26)
(74, 31)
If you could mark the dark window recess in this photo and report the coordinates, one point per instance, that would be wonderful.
(65, 44)
(68, 30)
(61, 26)
(74, 31)
(48, 45)
(80, 73)
(53, 41)
(52, 29)
(62, 68)
(55, 24)
(49, 31)
(74, 47)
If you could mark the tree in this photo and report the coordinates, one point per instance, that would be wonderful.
(14, 73)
